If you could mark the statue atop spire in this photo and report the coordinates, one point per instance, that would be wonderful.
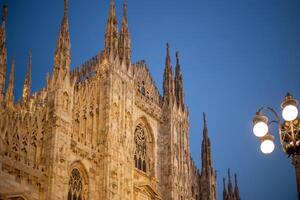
(5, 13)
(27, 82)
(168, 82)
(111, 33)
(9, 98)
(66, 8)
(3, 54)
(62, 57)
(124, 38)
(168, 58)
(179, 83)
(204, 123)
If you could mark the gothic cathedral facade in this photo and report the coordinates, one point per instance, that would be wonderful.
(100, 131)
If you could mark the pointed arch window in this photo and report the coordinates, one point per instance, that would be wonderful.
(77, 186)
(140, 152)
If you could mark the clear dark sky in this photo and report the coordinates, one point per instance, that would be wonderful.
(236, 55)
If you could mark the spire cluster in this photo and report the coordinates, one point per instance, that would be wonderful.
(173, 86)
(117, 43)
(230, 193)
(124, 38)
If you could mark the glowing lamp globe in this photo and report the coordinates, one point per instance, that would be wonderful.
(267, 145)
(289, 108)
(289, 112)
(260, 127)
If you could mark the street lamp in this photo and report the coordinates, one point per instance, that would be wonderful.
(289, 131)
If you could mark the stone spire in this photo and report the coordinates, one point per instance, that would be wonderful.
(111, 33)
(9, 97)
(230, 187)
(179, 83)
(124, 38)
(3, 54)
(62, 57)
(168, 82)
(27, 82)
(206, 152)
(208, 174)
(224, 190)
(236, 188)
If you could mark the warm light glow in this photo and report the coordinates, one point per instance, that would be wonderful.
(290, 112)
(260, 129)
(267, 146)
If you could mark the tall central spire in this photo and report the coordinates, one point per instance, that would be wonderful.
(62, 57)
(111, 33)
(3, 54)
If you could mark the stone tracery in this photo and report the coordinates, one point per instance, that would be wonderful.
(77, 186)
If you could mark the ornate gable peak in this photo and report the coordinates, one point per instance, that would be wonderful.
(142, 74)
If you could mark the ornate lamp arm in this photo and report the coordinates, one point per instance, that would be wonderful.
(276, 120)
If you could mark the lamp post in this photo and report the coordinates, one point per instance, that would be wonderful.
(288, 128)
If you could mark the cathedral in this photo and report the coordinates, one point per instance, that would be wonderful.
(100, 131)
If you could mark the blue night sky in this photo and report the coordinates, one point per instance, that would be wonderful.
(236, 55)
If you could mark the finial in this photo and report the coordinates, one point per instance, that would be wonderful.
(112, 9)
(288, 94)
(112, 3)
(168, 59)
(204, 119)
(177, 57)
(168, 47)
(65, 7)
(229, 177)
(235, 179)
(5, 12)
